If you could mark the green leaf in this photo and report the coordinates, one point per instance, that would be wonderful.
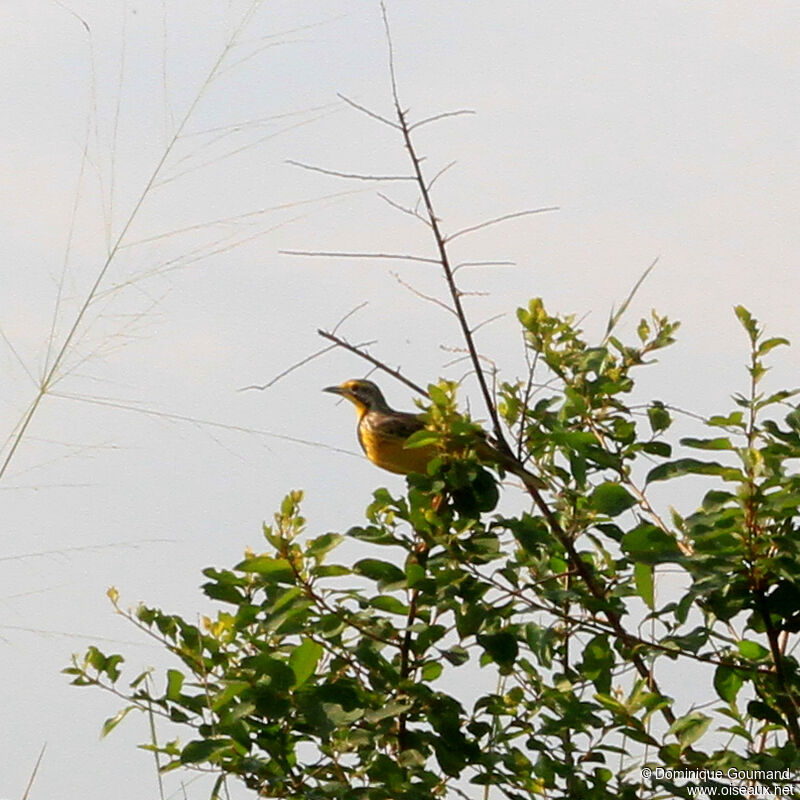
(611, 499)
(203, 750)
(748, 323)
(752, 650)
(639, 736)
(304, 660)
(727, 682)
(759, 710)
(734, 420)
(271, 671)
(456, 655)
(777, 397)
(422, 438)
(233, 689)
(415, 572)
(392, 605)
(502, 647)
(470, 617)
(383, 572)
(318, 548)
(437, 394)
(392, 708)
(650, 545)
(174, 683)
(769, 344)
(690, 728)
(715, 500)
(645, 587)
(112, 722)
(341, 717)
(330, 571)
(273, 570)
(661, 449)
(431, 670)
(224, 592)
(720, 443)
(658, 417)
(598, 662)
(691, 466)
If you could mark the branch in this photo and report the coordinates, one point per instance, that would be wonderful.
(306, 360)
(287, 371)
(439, 238)
(201, 423)
(533, 484)
(615, 317)
(354, 175)
(497, 220)
(439, 174)
(327, 254)
(366, 111)
(410, 211)
(437, 117)
(790, 708)
(374, 361)
(422, 295)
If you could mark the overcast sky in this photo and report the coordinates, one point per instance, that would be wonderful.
(658, 129)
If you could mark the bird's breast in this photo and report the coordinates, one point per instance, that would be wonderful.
(383, 441)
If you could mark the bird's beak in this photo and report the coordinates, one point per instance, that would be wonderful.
(335, 390)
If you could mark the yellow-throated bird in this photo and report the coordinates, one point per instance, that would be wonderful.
(382, 433)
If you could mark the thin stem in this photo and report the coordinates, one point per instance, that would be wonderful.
(51, 372)
(374, 361)
(444, 258)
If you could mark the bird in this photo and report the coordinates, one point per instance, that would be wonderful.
(382, 431)
(382, 434)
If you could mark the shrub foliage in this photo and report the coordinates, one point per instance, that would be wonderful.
(554, 650)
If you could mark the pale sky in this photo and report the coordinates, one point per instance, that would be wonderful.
(659, 129)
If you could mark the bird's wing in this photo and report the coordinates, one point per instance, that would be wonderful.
(397, 424)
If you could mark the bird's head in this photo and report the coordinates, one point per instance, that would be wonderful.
(364, 395)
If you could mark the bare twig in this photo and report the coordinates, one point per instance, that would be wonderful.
(151, 717)
(437, 117)
(239, 219)
(288, 370)
(237, 150)
(488, 321)
(349, 314)
(422, 295)
(497, 220)
(369, 113)
(202, 423)
(28, 788)
(351, 175)
(377, 363)
(410, 211)
(299, 364)
(439, 175)
(615, 317)
(86, 548)
(526, 397)
(306, 360)
(390, 256)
